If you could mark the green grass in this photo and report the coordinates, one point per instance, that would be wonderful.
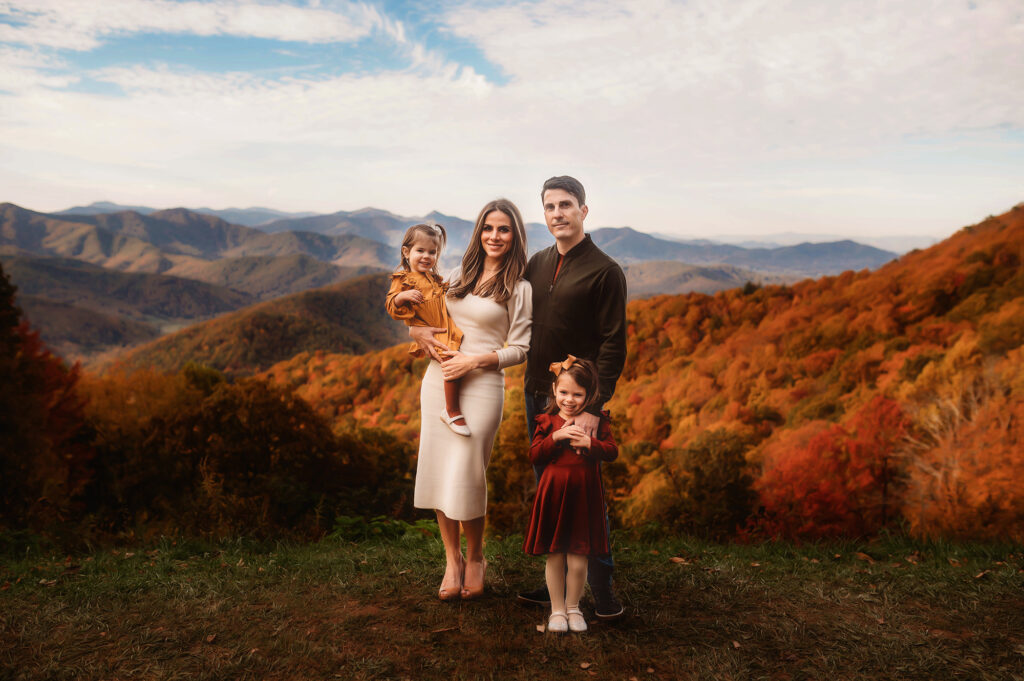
(892, 609)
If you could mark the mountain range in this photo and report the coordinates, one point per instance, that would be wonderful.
(294, 252)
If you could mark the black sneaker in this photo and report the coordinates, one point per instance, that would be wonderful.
(538, 597)
(606, 606)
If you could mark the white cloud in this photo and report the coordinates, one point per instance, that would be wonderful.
(77, 25)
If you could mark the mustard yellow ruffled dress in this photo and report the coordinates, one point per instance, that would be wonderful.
(433, 311)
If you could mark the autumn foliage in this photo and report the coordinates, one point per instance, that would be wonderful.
(849, 397)
(841, 406)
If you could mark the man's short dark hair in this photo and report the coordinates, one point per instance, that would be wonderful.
(566, 183)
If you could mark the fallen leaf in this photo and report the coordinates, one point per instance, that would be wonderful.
(954, 562)
(633, 678)
(755, 565)
(540, 628)
(815, 560)
(655, 552)
(838, 555)
(240, 563)
(584, 665)
(864, 556)
(211, 638)
(650, 670)
(881, 620)
(6, 586)
(441, 631)
(47, 582)
(402, 572)
(678, 559)
(981, 574)
(735, 644)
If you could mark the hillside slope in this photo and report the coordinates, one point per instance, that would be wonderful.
(661, 277)
(347, 317)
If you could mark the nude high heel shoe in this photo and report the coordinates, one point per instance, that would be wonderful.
(455, 592)
(473, 591)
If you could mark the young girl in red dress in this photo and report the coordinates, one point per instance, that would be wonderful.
(568, 518)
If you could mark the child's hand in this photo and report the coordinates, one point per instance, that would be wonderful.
(410, 297)
(576, 436)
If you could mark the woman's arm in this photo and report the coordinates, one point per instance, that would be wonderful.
(520, 315)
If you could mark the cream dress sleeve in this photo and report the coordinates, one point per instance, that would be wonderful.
(520, 321)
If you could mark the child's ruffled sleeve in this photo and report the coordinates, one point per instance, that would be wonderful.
(399, 282)
(542, 447)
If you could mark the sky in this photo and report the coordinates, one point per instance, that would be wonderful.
(700, 118)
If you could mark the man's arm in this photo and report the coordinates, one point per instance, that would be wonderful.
(610, 318)
(424, 337)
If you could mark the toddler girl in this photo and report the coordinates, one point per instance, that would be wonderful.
(568, 518)
(417, 297)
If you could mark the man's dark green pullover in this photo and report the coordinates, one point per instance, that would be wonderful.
(579, 308)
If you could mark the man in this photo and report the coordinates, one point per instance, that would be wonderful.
(579, 308)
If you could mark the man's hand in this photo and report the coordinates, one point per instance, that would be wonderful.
(424, 337)
(588, 422)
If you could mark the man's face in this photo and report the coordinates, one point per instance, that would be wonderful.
(564, 215)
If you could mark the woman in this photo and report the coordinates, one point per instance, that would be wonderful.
(492, 304)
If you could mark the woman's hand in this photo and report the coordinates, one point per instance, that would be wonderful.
(456, 364)
(412, 296)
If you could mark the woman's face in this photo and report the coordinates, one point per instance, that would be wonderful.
(496, 235)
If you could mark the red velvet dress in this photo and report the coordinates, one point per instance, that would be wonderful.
(568, 512)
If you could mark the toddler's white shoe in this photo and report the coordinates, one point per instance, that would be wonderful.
(576, 621)
(557, 623)
(450, 422)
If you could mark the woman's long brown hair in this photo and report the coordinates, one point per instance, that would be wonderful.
(502, 284)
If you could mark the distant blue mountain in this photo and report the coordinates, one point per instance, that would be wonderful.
(249, 217)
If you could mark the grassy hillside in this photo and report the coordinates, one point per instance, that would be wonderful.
(347, 317)
(367, 609)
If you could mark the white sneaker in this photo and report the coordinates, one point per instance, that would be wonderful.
(450, 422)
(576, 621)
(557, 623)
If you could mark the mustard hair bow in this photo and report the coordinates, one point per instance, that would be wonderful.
(558, 367)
